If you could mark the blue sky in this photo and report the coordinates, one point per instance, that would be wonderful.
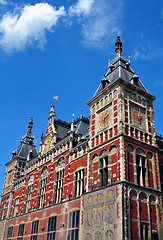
(62, 48)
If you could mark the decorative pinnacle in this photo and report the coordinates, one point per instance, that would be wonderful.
(118, 45)
(30, 124)
(42, 137)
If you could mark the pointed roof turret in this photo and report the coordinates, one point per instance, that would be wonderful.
(119, 69)
(118, 45)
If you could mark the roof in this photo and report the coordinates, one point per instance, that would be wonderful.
(119, 68)
(27, 148)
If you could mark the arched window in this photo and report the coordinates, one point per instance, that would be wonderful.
(59, 179)
(93, 171)
(130, 170)
(141, 167)
(133, 215)
(4, 208)
(42, 187)
(29, 188)
(103, 168)
(79, 182)
(144, 219)
(16, 205)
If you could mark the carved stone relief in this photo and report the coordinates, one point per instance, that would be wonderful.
(88, 236)
(98, 236)
(109, 235)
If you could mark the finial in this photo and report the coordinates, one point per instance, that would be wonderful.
(118, 45)
(30, 124)
(52, 110)
(81, 114)
(72, 123)
(72, 117)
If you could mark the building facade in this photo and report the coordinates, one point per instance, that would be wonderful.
(92, 179)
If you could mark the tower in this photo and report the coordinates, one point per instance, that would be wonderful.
(96, 178)
(123, 146)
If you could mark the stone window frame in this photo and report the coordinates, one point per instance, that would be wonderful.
(73, 225)
(34, 230)
(16, 206)
(21, 231)
(148, 156)
(59, 179)
(79, 176)
(151, 199)
(103, 168)
(9, 233)
(51, 229)
(4, 208)
(28, 194)
(42, 187)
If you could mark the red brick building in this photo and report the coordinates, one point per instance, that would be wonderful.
(97, 178)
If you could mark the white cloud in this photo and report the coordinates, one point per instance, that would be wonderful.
(3, 2)
(81, 7)
(100, 20)
(28, 26)
(147, 53)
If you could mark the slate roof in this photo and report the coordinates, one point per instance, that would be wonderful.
(27, 148)
(120, 70)
(62, 128)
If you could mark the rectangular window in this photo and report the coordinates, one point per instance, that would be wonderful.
(73, 226)
(79, 183)
(9, 233)
(21, 231)
(34, 230)
(52, 228)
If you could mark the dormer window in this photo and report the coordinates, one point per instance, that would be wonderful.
(135, 80)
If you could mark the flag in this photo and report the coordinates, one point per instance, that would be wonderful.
(56, 97)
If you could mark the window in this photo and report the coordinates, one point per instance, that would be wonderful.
(104, 171)
(34, 230)
(29, 193)
(59, 185)
(141, 170)
(9, 233)
(144, 231)
(42, 187)
(79, 183)
(21, 231)
(59, 178)
(52, 228)
(16, 205)
(4, 206)
(73, 226)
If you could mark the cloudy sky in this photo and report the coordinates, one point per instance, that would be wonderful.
(61, 47)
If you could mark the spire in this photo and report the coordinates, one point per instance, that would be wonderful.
(118, 45)
(30, 124)
(52, 112)
(81, 114)
(72, 123)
